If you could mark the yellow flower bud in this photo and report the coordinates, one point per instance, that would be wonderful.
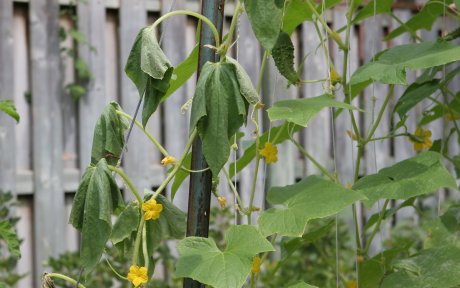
(255, 264)
(168, 160)
(222, 201)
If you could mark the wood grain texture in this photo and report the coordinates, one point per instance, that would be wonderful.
(47, 132)
(7, 124)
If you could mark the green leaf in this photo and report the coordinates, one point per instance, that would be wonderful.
(388, 213)
(437, 267)
(311, 198)
(423, 19)
(421, 174)
(78, 36)
(373, 270)
(170, 225)
(76, 91)
(456, 162)
(7, 106)
(218, 110)
(150, 70)
(374, 7)
(181, 175)
(444, 229)
(183, 72)
(201, 259)
(277, 135)
(283, 55)
(297, 11)
(154, 93)
(301, 285)
(108, 139)
(246, 88)
(97, 198)
(126, 224)
(301, 111)
(414, 94)
(265, 17)
(390, 66)
(8, 234)
(82, 69)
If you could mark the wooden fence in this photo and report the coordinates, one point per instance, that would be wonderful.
(42, 157)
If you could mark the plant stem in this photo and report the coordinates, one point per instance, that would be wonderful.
(381, 112)
(412, 32)
(193, 14)
(313, 81)
(377, 226)
(128, 182)
(65, 278)
(137, 243)
(114, 271)
(331, 33)
(227, 44)
(313, 160)
(147, 133)
(255, 120)
(234, 190)
(144, 247)
(177, 166)
(194, 171)
(388, 137)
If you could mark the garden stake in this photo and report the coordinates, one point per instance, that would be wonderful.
(201, 183)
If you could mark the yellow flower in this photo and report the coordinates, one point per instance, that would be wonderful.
(269, 152)
(422, 139)
(168, 160)
(222, 201)
(452, 116)
(255, 264)
(349, 185)
(335, 77)
(351, 284)
(152, 209)
(137, 275)
(360, 259)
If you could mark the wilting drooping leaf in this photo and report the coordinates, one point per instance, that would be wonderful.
(150, 70)
(97, 198)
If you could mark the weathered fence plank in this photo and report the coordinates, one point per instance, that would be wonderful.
(7, 124)
(173, 38)
(317, 136)
(91, 22)
(133, 17)
(47, 132)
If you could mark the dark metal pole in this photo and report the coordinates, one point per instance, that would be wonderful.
(200, 183)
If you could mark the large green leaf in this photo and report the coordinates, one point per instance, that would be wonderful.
(372, 8)
(201, 259)
(7, 106)
(97, 198)
(149, 69)
(390, 66)
(311, 198)
(275, 136)
(183, 72)
(218, 110)
(414, 94)
(423, 19)
(8, 235)
(298, 11)
(437, 267)
(170, 225)
(126, 224)
(444, 229)
(301, 111)
(266, 17)
(108, 139)
(421, 174)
